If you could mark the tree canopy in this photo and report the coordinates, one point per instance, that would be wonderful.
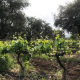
(69, 17)
(37, 28)
(11, 17)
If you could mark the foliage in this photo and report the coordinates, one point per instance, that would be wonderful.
(37, 28)
(42, 46)
(12, 18)
(16, 46)
(69, 17)
(6, 62)
(74, 36)
(61, 46)
(60, 33)
(38, 47)
(3, 47)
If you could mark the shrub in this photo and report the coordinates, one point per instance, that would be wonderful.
(6, 62)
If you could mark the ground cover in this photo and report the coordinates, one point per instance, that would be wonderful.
(42, 69)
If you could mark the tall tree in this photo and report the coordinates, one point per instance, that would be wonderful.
(74, 36)
(37, 28)
(34, 28)
(48, 31)
(69, 17)
(11, 17)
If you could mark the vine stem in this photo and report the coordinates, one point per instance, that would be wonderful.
(62, 66)
(20, 62)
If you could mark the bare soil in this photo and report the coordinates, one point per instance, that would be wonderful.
(46, 69)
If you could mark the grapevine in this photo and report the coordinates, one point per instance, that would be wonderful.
(18, 46)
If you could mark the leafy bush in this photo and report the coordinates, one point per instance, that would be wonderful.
(42, 46)
(6, 62)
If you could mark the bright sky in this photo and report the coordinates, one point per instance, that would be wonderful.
(44, 9)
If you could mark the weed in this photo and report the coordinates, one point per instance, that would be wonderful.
(0, 75)
(3, 79)
(43, 79)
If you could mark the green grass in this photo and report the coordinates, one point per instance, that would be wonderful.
(69, 59)
(6, 62)
(43, 78)
(43, 56)
(59, 74)
(29, 67)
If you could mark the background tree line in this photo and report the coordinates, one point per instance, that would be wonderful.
(12, 20)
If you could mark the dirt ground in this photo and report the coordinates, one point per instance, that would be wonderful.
(46, 69)
(73, 68)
